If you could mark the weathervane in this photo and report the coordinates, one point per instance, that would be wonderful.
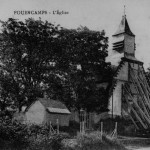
(124, 10)
(124, 7)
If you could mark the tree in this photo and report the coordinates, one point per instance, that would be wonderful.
(82, 54)
(37, 55)
(27, 51)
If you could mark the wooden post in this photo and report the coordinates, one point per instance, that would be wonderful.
(132, 120)
(140, 108)
(142, 114)
(90, 121)
(83, 127)
(80, 126)
(101, 130)
(112, 104)
(116, 125)
(135, 113)
(142, 101)
(50, 130)
(143, 104)
(145, 80)
(141, 90)
(85, 121)
(142, 94)
(57, 121)
(136, 127)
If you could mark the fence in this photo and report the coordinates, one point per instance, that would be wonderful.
(52, 130)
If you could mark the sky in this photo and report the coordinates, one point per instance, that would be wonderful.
(95, 14)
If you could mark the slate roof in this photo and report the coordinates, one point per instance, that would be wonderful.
(54, 106)
(58, 110)
(46, 102)
(124, 27)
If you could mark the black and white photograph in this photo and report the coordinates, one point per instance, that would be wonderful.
(74, 74)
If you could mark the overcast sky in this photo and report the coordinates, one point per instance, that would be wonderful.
(95, 14)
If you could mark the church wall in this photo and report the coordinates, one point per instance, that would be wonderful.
(135, 69)
(116, 99)
(123, 73)
(122, 77)
(129, 44)
(134, 66)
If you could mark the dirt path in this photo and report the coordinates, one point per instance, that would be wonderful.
(144, 148)
(135, 143)
(141, 148)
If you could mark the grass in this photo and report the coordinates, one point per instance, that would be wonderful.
(90, 141)
(136, 142)
(93, 141)
(16, 136)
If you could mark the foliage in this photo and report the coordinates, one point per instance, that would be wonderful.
(27, 48)
(92, 141)
(82, 54)
(56, 141)
(38, 56)
(19, 136)
(14, 134)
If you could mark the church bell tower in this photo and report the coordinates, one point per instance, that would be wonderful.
(124, 39)
(123, 45)
(130, 91)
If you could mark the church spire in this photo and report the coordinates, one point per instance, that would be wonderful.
(124, 39)
(124, 27)
(124, 10)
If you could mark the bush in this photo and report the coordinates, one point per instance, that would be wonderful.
(53, 142)
(17, 136)
(39, 142)
(92, 141)
(14, 134)
(125, 127)
(56, 141)
(35, 130)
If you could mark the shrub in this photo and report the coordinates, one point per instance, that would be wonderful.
(53, 142)
(39, 142)
(14, 134)
(93, 141)
(17, 136)
(34, 129)
(56, 141)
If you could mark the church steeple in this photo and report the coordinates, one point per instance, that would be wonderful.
(124, 39)
(124, 27)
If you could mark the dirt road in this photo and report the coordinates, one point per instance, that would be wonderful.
(144, 148)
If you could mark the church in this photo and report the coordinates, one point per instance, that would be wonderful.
(129, 95)
(129, 90)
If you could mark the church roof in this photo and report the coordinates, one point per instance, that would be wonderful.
(124, 27)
